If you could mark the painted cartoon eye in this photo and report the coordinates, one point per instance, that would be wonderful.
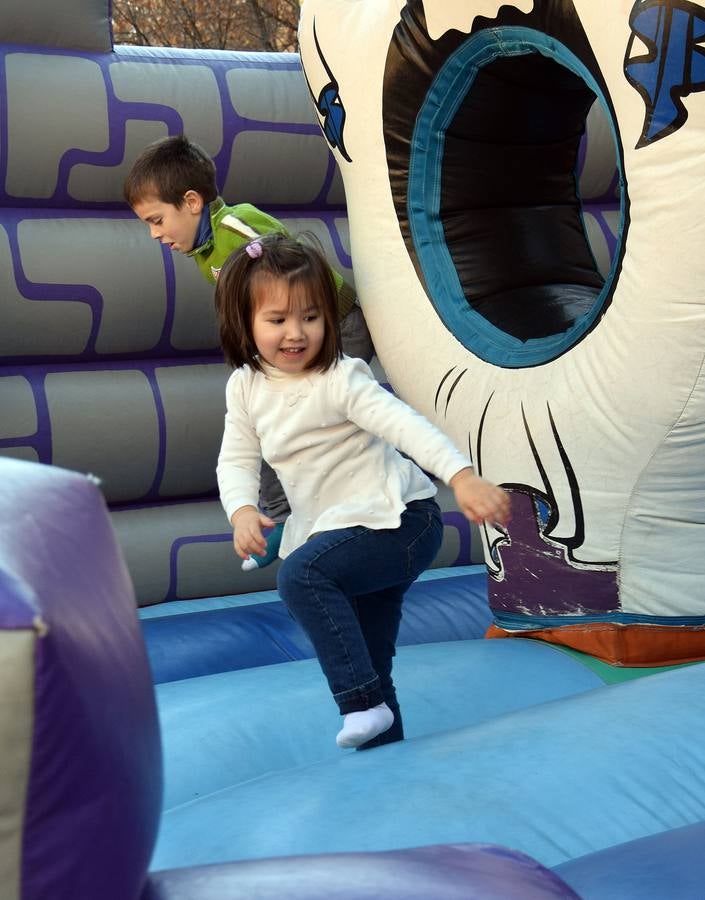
(514, 235)
(484, 162)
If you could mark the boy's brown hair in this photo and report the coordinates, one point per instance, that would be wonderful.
(169, 168)
(309, 278)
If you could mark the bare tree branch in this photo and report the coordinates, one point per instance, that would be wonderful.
(217, 24)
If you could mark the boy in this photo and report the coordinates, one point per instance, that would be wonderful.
(172, 188)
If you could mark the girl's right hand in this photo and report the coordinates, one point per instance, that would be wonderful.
(248, 539)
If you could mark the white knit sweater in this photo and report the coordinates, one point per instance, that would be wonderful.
(331, 439)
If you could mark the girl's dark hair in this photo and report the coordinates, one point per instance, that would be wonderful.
(306, 271)
(168, 169)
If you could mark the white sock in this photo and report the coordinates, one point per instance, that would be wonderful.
(360, 727)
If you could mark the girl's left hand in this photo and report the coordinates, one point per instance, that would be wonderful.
(480, 500)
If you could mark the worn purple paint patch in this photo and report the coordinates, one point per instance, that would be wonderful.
(539, 579)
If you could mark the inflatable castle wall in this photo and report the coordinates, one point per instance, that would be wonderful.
(110, 356)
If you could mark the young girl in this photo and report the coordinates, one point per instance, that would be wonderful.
(363, 521)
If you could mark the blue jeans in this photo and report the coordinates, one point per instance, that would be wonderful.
(345, 588)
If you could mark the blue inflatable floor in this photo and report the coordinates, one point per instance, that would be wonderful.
(511, 743)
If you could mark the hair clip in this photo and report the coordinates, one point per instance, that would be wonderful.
(253, 249)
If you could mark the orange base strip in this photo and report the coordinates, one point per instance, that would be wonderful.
(622, 645)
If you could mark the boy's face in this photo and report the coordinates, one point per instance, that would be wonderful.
(175, 226)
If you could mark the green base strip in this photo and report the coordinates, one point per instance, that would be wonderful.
(615, 674)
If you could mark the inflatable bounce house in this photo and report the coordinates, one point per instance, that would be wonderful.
(513, 188)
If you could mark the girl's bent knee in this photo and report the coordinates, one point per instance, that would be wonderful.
(291, 578)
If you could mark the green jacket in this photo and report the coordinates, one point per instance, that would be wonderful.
(236, 225)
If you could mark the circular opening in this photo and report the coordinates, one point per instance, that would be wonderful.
(495, 213)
